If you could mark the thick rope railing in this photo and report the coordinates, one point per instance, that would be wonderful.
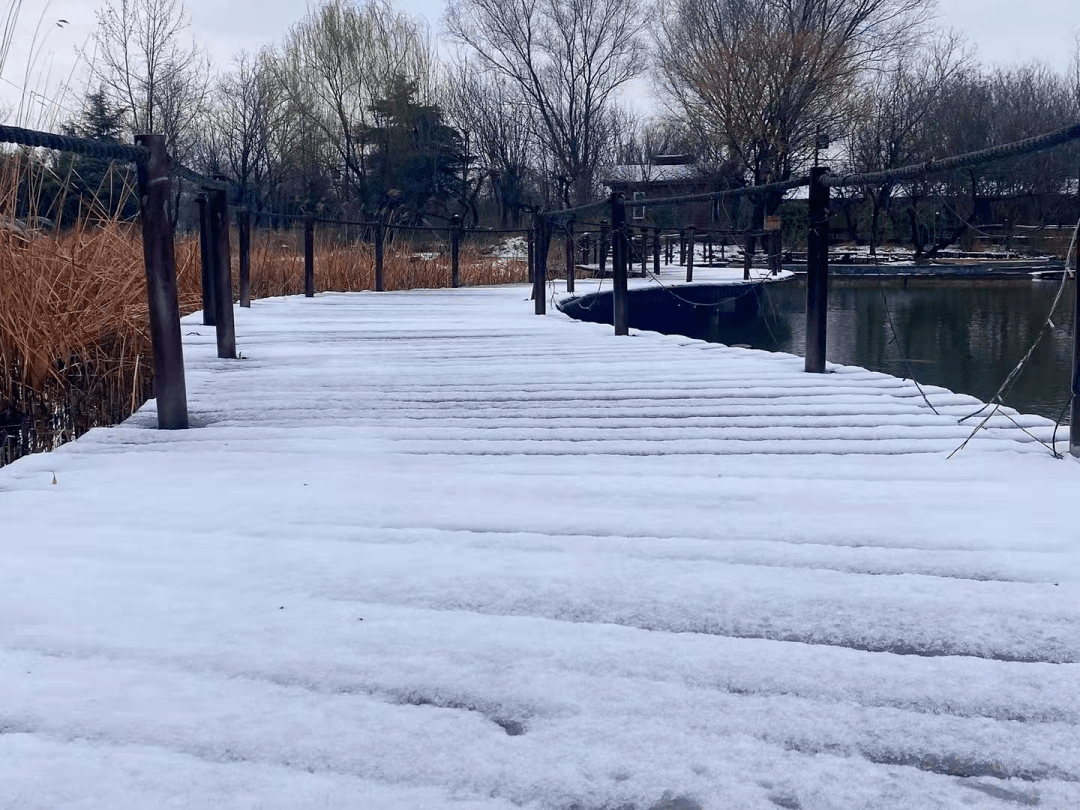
(708, 196)
(705, 196)
(965, 161)
(70, 143)
(103, 150)
(912, 172)
(567, 213)
(178, 169)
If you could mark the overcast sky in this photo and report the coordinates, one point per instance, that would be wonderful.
(1004, 31)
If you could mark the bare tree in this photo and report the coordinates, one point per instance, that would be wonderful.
(566, 59)
(893, 115)
(499, 136)
(160, 83)
(239, 136)
(338, 61)
(763, 78)
(977, 110)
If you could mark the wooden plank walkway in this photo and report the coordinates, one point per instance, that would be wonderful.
(428, 550)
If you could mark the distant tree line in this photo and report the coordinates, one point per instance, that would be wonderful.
(352, 113)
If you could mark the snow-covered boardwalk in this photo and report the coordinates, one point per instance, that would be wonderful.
(426, 550)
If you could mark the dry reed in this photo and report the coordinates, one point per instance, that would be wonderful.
(74, 337)
(345, 262)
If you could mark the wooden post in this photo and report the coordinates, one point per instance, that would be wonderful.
(571, 249)
(748, 255)
(620, 250)
(531, 250)
(602, 248)
(817, 271)
(243, 228)
(644, 252)
(775, 246)
(656, 251)
(455, 251)
(380, 235)
(309, 257)
(206, 259)
(223, 289)
(691, 244)
(543, 242)
(1074, 413)
(159, 257)
(709, 249)
(682, 246)
(585, 255)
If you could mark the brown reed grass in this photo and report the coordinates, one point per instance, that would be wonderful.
(74, 336)
(345, 262)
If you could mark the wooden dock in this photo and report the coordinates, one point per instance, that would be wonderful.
(427, 550)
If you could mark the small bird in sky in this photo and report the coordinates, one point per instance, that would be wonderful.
(61, 23)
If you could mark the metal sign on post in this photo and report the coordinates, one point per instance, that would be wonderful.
(772, 223)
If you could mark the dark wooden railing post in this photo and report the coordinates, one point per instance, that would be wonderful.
(817, 271)
(585, 246)
(1074, 414)
(644, 252)
(656, 251)
(206, 260)
(543, 244)
(748, 255)
(170, 388)
(223, 288)
(309, 257)
(530, 247)
(243, 229)
(570, 251)
(709, 247)
(775, 246)
(455, 250)
(691, 249)
(380, 236)
(602, 249)
(682, 246)
(620, 250)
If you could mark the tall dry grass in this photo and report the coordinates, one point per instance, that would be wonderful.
(74, 335)
(345, 262)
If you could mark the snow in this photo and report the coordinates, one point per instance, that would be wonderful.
(670, 276)
(427, 550)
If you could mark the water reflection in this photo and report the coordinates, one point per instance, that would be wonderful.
(964, 334)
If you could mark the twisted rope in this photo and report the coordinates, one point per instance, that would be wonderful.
(566, 213)
(706, 196)
(181, 171)
(69, 143)
(742, 191)
(918, 170)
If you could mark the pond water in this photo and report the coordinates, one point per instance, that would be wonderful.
(965, 335)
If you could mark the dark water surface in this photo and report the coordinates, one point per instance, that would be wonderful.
(965, 335)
